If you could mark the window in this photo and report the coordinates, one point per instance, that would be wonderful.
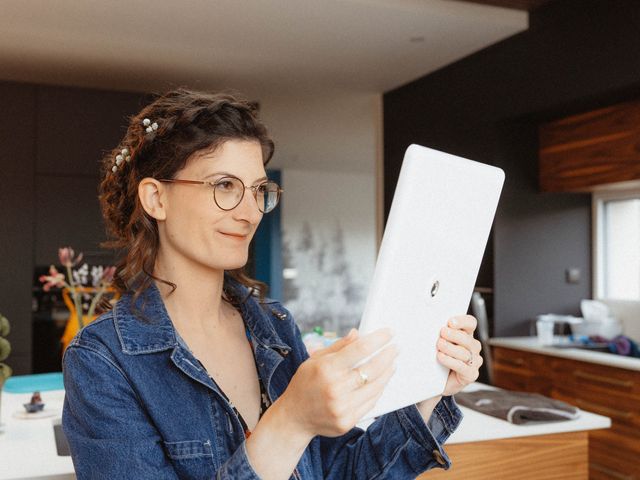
(616, 245)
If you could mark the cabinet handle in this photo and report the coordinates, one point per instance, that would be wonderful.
(610, 472)
(583, 404)
(603, 379)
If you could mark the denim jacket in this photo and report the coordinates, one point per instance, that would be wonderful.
(139, 405)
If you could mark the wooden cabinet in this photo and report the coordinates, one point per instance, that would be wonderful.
(560, 456)
(521, 371)
(582, 152)
(614, 392)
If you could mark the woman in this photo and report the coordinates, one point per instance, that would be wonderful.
(194, 375)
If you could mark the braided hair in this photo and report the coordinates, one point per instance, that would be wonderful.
(186, 122)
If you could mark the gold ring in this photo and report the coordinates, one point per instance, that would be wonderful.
(364, 378)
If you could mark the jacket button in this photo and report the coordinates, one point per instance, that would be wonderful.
(280, 316)
(284, 352)
(438, 457)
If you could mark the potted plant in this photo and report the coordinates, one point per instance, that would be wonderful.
(5, 350)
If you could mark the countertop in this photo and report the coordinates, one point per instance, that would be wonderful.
(477, 427)
(28, 447)
(28, 450)
(530, 344)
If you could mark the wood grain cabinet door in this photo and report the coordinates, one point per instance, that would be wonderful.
(521, 371)
(614, 392)
(581, 152)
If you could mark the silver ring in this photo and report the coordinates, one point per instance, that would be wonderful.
(470, 361)
(364, 378)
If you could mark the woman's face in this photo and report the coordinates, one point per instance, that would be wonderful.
(195, 228)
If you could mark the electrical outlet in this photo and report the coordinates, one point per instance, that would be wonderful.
(572, 275)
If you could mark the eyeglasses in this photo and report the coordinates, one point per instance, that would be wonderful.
(228, 192)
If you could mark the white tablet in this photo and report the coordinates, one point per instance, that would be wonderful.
(434, 239)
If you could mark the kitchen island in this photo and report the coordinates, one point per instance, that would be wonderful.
(482, 447)
(486, 447)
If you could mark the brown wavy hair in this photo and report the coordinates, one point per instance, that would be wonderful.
(188, 122)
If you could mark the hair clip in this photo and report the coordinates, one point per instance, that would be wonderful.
(150, 126)
(123, 156)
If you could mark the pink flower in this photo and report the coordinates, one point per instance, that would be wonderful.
(54, 279)
(66, 256)
(108, 274)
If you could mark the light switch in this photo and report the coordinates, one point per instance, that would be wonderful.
(572, 275)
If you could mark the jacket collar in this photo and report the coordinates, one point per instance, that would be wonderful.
(146, 327)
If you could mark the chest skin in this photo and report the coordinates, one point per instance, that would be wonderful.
(228, 358)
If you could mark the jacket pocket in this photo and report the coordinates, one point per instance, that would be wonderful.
(192, 458)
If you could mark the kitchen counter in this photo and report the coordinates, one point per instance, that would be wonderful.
(27, 446)
(487, 447)
(599, 382)
(28, 450)
(530, 344)
(478, 427)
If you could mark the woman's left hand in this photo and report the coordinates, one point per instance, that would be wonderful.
(460, 352)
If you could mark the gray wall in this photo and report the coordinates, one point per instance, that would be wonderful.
(536, 237)
(51, 140)
(578, 55)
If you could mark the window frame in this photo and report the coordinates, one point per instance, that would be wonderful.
(597, 230)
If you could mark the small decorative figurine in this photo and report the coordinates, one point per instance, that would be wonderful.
(35, 405)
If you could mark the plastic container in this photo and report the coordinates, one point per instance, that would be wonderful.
(544, 329)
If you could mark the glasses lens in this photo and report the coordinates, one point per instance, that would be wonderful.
(267, 196)
(228, 192)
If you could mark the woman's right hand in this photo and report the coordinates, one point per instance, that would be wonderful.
(327, 395)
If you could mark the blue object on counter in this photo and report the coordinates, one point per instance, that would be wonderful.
(623, 345)
(620, 345)
(30, 383)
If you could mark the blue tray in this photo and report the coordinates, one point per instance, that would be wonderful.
(30, 383)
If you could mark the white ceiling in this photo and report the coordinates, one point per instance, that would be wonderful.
(251, 45)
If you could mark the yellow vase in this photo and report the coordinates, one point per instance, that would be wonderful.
(73, 326)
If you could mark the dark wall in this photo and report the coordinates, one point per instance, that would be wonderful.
(51, 140)
(577, 55)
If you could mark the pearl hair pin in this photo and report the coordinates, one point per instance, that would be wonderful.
(150, 127)
(123, 156)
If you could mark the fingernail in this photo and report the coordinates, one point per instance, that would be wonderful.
(453, 322)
